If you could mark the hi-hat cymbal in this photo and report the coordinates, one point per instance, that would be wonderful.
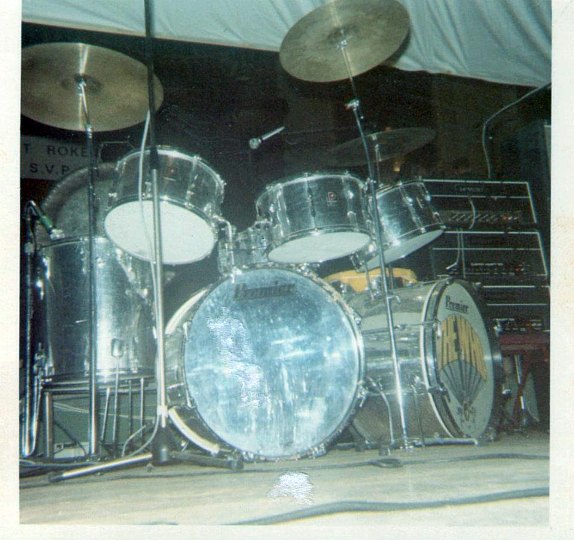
(343, 38)
(115, 86)
(382, 146)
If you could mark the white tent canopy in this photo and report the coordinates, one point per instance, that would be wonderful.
(504, 41)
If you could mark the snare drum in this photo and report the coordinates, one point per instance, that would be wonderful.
(190, 193)
(315, 217)
(244, 249)
(449, 360)
(267, 362)
(408, 222)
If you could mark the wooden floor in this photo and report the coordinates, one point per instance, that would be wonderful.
(502, 483)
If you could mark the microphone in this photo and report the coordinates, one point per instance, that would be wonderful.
(255, 143)
(53, 233)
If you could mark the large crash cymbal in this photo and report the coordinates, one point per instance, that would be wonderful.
(343, 38)
(382, 145)
(115, 86)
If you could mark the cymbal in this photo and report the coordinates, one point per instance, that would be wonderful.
(382, 145)
(115, 86)
(343, 38)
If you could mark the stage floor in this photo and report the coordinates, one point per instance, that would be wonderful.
(501, 483)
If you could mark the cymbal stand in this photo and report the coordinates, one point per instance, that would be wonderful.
(81, 84)
(354, 105)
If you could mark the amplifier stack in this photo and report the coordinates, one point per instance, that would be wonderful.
(493, 240)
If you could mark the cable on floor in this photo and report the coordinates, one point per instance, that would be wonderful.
(366, 506)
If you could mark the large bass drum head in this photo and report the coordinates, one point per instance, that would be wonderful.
(463, 359)
(272, 362)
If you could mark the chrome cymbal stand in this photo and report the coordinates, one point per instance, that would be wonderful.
(81, 86)
(29, 420)
(354, 105)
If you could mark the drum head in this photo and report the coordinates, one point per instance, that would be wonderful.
(272, 363)
(462, 358)
(185, 236)
(319, 247)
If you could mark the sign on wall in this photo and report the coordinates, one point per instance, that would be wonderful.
(50, 159)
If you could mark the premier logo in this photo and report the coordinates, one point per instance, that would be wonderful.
(243, 292)
(455, 306)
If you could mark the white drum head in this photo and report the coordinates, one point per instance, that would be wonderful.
(319, 248)
(185, 236)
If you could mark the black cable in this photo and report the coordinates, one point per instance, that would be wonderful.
(367, 506)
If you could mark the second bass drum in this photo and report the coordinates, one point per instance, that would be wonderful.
(449, 361)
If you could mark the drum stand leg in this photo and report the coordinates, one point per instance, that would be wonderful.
(27, 442)
(354, 106)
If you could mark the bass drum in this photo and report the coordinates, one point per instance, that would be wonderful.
(449, 361)
(268, 363)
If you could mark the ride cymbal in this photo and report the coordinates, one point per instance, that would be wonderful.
(382, 145)
(115, 86)
(343, 38)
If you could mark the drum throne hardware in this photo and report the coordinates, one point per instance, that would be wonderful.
(84, 88)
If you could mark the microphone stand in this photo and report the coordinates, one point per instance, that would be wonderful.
(160, 443)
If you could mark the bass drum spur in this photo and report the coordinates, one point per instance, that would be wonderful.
(267, 363)
(449, 361)
(190, 193)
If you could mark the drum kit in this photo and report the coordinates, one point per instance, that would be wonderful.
(270, 361)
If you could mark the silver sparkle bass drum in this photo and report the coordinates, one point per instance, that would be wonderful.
(267, 363)
(190, 193)
(449, 361)
(315, 217)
